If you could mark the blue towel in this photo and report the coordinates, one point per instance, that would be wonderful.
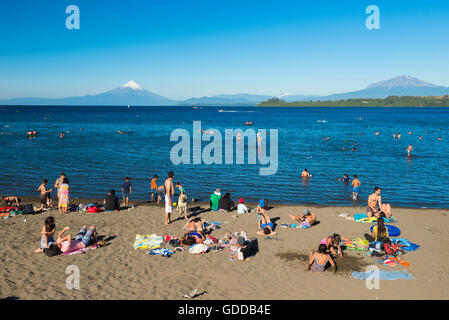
(406, 245)
(383, 275)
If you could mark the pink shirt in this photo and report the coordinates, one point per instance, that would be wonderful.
(74, 245)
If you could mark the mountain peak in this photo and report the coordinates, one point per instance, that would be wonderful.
(133, 85)
(401, 81)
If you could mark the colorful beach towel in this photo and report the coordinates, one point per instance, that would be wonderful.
(152, 241)
(358, 244)
(82, 250)
(383, 275)
(363, 218)
(406, 245)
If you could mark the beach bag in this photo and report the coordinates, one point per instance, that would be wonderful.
(93, 209)
(52, 250)
(28, 209)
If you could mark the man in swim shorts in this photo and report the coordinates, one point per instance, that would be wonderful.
(355, 187)
(169, 193)
(372, 209)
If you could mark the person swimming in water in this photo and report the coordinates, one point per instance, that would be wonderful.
(306, 174)
(409, 150)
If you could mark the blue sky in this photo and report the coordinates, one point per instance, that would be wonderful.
(185, 48)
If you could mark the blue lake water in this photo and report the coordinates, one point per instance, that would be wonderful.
(96, 158)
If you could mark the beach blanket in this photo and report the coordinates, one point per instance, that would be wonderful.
(302, 225)
(82, 250)
(406, 245)
(383, 275)
(392, 230)
(354, 243)
(363, 218)
(152, 241)
(162, 252)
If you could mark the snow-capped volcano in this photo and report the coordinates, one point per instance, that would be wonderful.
(132, 84)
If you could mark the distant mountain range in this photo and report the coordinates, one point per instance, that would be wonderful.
(132, 94)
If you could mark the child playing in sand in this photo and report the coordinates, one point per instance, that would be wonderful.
(45, 194)
(47, 232)
(64, 196)
(332, 244)
(126, 189)
(355, 187)
(241, 207)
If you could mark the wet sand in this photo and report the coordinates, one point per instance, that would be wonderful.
(117, 271)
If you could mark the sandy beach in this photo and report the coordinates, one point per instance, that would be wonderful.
(118, 271)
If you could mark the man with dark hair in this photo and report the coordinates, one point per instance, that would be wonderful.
(372, 208)
(169, 193)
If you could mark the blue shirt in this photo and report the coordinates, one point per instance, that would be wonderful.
(126, 187)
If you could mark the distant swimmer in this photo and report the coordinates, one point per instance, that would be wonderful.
(327, 138)
(239, 136)
(345, 178)
(409, 150)
(61, 135)
(361, 133)
(420, 138)
(306, 174)
(394, 135)
(120, 132)
(259, 139)
(353, 149)
(439, 138)
(377, 133)
(409, 132)
(399, 135)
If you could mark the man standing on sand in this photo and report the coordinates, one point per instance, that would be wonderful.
(169, 193)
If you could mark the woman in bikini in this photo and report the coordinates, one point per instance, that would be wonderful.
(319, 260)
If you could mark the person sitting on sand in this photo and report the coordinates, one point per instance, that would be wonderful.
(332, 244)
(306, 218)
(319, 260)
(11, 200)
(375, 206)
(226, 204)
(214, 199)
(111, 203)
(305, 174)
(241, 207)
(264, 222)
(244, 250)
(82, 239)
(379, 233)
(47, 232)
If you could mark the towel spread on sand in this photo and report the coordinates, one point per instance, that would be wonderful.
(82, 250)
(406, 245)
(382, 275)
(363, 218)
(355, 243)
(165, 252)
(152, 241)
